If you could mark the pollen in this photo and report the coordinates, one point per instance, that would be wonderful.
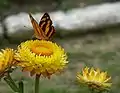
(42, 49)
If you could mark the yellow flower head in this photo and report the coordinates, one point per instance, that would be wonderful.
(6, 60)
(94, 78)
(41, 57)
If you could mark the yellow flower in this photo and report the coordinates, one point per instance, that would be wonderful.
(6, 60)
(94, 78)
(41, 57)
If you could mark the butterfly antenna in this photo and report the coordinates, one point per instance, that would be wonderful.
(33, 37)
(27, 27)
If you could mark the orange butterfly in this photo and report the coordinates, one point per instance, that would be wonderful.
(44, 30)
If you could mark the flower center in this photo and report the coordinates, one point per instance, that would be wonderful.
(42, 50)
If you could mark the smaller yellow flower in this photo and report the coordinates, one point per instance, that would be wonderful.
(6, 60)
(41, 57)
(94, 78)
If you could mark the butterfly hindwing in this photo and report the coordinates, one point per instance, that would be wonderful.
(37, 30)
(46, 25)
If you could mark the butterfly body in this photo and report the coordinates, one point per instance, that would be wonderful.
(44, 30)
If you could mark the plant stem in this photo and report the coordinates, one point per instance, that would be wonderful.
(37, 83)
(21, 87)
(11, 83)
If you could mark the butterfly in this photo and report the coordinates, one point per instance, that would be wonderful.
(44, 30)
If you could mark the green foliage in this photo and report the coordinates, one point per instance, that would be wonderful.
(4, 3)
(45, 5)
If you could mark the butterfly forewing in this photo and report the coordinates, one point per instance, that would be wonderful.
(38, 31)
(46, 25)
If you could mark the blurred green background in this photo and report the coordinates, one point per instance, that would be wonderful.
(96, 49)
(15, 6)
